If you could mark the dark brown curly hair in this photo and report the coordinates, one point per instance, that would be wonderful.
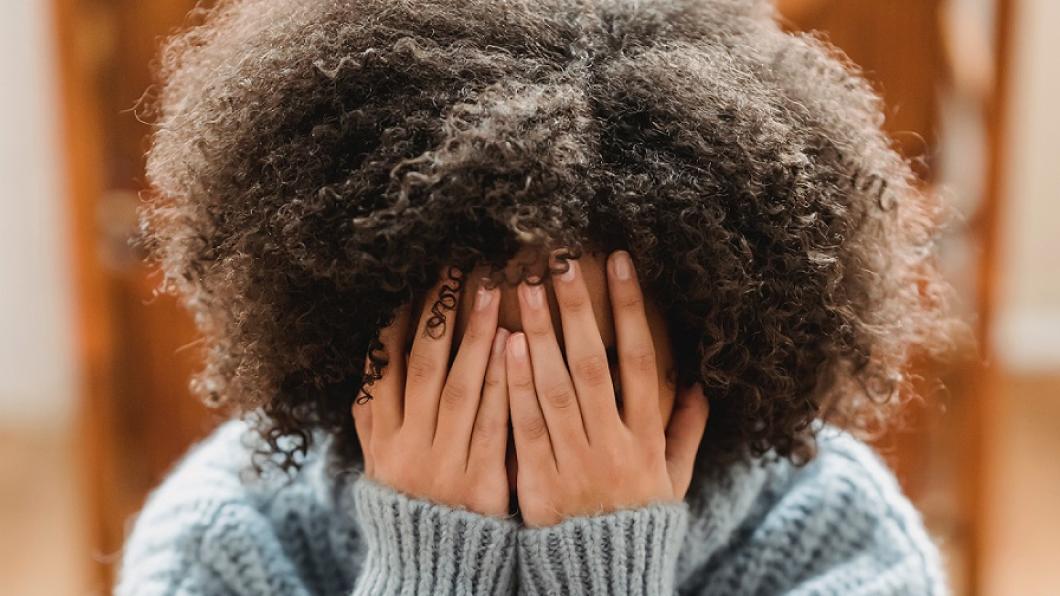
(316, 163)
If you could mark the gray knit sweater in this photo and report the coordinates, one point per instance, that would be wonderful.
(839, 525)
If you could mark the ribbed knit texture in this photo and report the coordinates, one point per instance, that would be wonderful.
(630, 552)
(839, 525)
(415, 547)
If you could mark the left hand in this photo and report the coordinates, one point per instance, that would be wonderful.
(435, 433)
(578, 455)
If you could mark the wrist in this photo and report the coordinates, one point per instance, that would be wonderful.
(631, 551)
(415, 546)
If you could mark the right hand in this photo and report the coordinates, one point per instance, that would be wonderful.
(437, 433)
(580, 454)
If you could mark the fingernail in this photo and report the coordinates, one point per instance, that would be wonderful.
(500, 340)
(519, 345)
(535, 295)
(483, 297)
(623, 266)
(568, 275)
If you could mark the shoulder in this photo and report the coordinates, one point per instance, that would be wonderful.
(209, 476)
(857, 498)
(839, 524)
(210, 518)
(847, 508)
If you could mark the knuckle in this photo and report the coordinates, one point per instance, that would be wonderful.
(491, 381)
(581, 486)
(454, 393)
(640, 359)
(560, 396)
(478, 330)
(487, 428)
(575, 303)
(534, 428)
(420, 367)
(538, 330)
(694, 408)
(522, 383)
(593, 369)
(375, 445)
(655, 447)
(613, 459)
(630, 302)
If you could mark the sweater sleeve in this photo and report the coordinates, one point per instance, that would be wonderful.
(205, 531)
(414, 546)
(626, 552)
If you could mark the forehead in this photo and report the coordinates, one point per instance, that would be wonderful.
(593, 270)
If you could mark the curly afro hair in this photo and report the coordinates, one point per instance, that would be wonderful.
(315, 163)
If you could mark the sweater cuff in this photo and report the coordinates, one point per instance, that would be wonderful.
(632, 551)
(416, 546)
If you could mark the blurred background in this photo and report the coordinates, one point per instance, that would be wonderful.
(94, 406)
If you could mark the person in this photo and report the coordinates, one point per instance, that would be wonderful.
(561, 297)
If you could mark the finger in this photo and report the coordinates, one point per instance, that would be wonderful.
(555, 391)
(533, 446)
(636, 352)
(462, 392)
(683, 436)
(586, 355)
(490, 436)
(428, 361)
(387, 391)
(362, 420)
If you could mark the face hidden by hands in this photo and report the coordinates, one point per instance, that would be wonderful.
(526, 355)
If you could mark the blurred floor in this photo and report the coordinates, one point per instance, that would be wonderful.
(1026, 489)
(43, 548)
(43, 545)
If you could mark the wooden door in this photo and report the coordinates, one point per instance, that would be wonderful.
(136, 351)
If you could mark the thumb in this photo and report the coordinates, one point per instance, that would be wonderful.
(683, 435)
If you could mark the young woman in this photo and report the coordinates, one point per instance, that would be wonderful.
(564, 296)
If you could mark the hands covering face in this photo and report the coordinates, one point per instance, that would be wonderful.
(440, 434)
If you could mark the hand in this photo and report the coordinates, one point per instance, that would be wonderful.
(578, 455)
(436, 433)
